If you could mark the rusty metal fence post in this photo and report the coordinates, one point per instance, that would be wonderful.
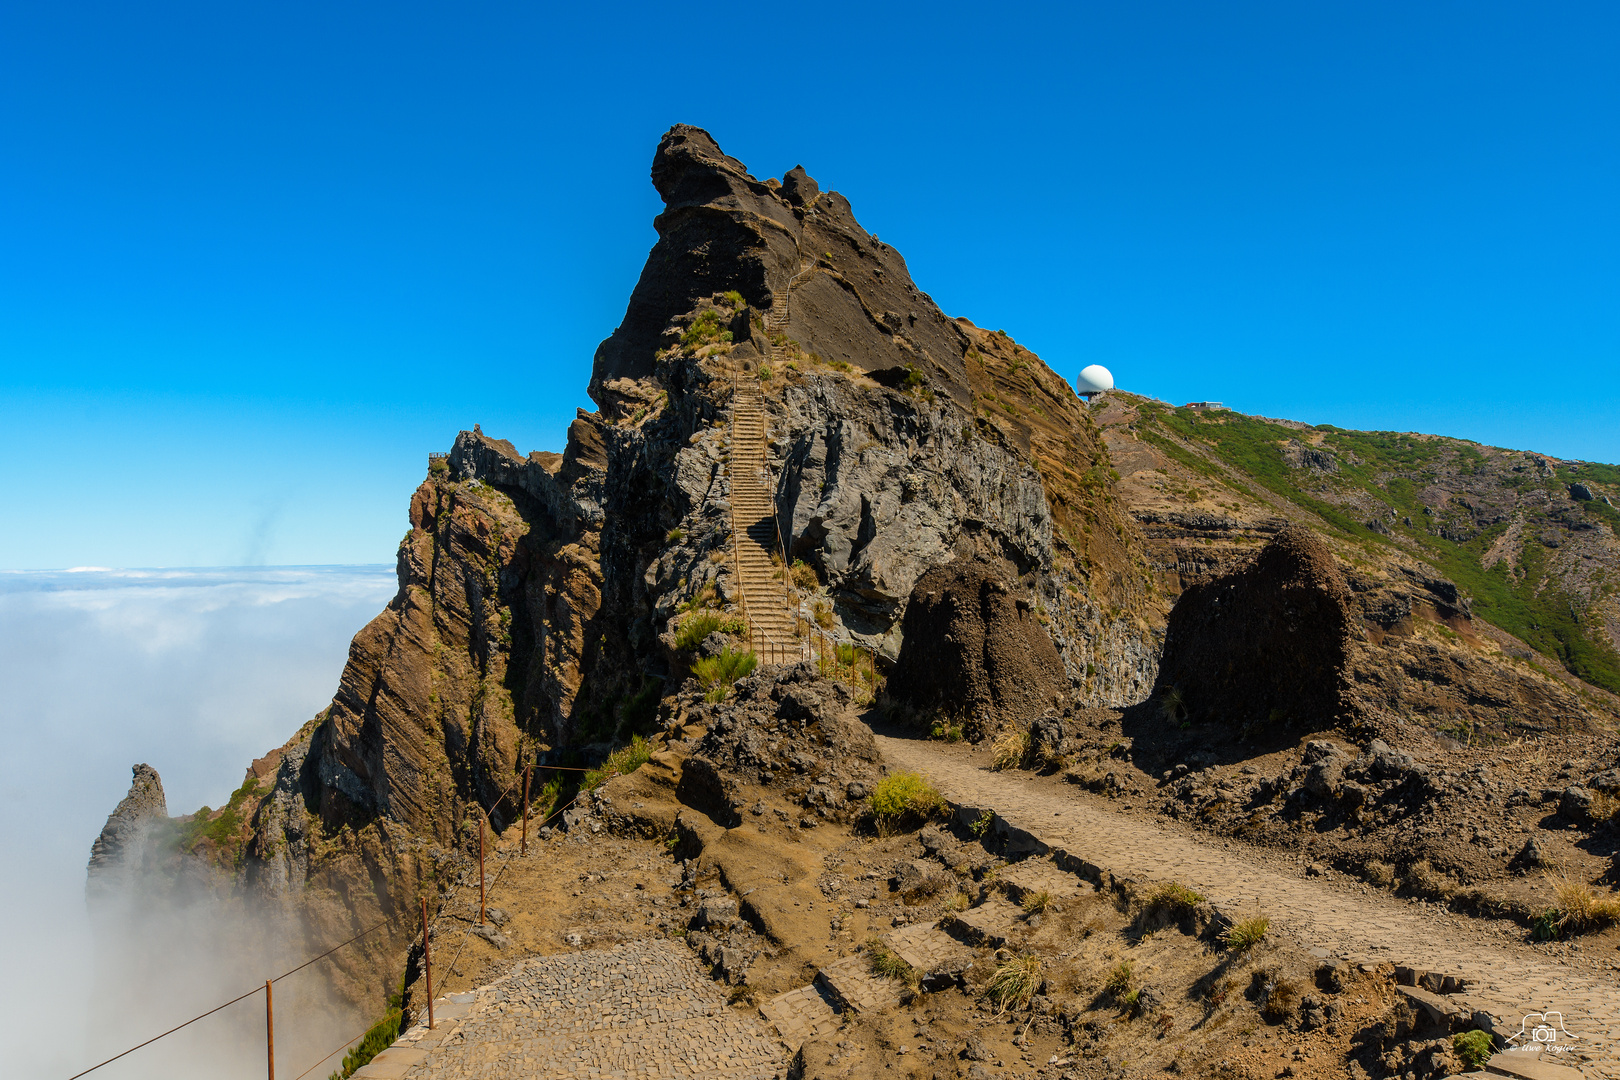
(523, 849)
(427, 962)
(270, 1028)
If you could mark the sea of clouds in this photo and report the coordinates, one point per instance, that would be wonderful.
(195, 672)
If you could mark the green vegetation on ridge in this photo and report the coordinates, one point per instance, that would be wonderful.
(1392, 468)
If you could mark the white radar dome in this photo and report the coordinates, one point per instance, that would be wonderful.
(1094, 380)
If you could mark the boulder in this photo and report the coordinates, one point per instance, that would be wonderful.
(1380, 761)
(1607, 782)
(972, 647)
(1530, 857)
(718, 912)
(1576, 803)
(1046, 737)
(1580, 493)
(1267, 643)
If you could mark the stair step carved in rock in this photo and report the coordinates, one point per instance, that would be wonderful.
(754, 525)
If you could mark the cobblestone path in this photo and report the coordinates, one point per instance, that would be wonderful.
(638, 1010)
(1504, 978)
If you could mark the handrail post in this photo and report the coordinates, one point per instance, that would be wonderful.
(270, 1028)
(427, 962)
(480, 870)
(524, 846)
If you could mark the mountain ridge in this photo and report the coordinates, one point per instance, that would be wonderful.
(919, 464)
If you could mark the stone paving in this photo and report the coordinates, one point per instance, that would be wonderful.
(929, 949)
(850, 983)
(990, 924)
(639, 1010)
(800, 1015)
(1040, 875)
(1505, 979)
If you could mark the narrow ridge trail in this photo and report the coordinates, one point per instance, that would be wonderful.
(1504, 978)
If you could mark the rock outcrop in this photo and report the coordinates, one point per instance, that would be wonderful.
(975, 649)
(1282, 642)
(122, 851)
(1269, 642)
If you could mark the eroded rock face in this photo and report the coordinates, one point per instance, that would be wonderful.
(878, 488)
(1283, 640)
(121, 851)
(1267, 643)
(974, 648)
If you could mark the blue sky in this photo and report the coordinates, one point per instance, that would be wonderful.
(257, 260)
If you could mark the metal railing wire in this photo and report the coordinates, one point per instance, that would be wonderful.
(341, 945)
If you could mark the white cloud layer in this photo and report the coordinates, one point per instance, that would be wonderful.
(195, 672)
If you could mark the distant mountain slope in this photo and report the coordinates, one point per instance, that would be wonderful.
(1530, 541)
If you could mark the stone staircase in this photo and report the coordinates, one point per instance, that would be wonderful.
(753, 515)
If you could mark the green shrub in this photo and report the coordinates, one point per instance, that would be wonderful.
(674, 536)
(705, 330)
(717, 673)
(700, 624)
(1473, 1048)
(1173, 899)
(379, 1037)
(764, 373)
(1246, 935)
(734, 298)
(624, 760)
(903, 796)
(945, 731)
(639, 711)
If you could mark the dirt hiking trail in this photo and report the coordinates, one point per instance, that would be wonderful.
(1504, 978)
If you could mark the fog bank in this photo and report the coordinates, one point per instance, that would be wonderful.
(195, 672)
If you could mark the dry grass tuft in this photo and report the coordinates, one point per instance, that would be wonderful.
(887, 963)
(1120, 978)
(1009, 750)
(1582, 908)
(1381, 874)
(1173, 899)
(1423, 879)
(1282, 1002)
(1038, 903)
(1014, 982)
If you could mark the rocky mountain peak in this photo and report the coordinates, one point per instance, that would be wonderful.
(853, 300)
(120, 849)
